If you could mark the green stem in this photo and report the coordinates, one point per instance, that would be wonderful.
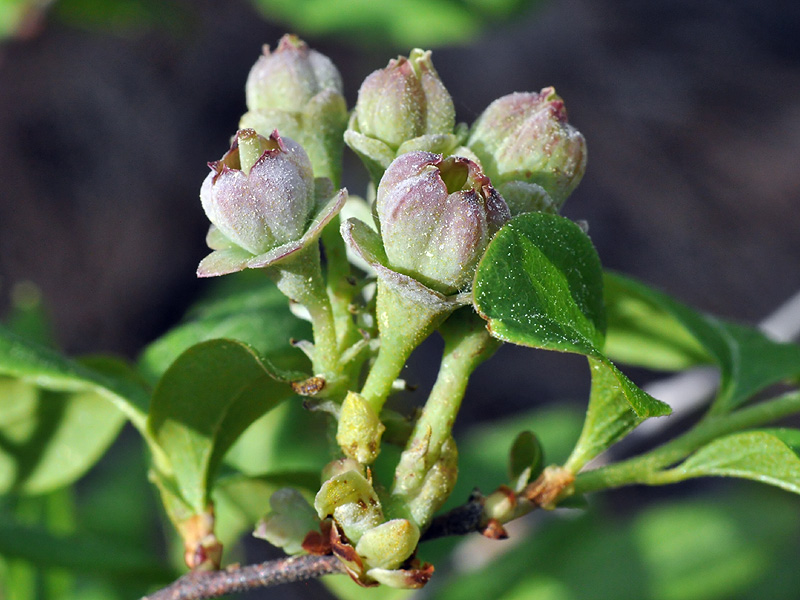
(300, 279)
(403, 325)
(467, 345)
(646, 469)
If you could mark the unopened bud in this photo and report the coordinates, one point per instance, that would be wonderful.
(437, 216)
(351, 501)
(389, 544)
(360, 429)
(525, 137)
(260, 195)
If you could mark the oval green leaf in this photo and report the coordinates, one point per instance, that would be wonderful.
(540, 284)
(202, 404)
(771, 456)
(648, 328)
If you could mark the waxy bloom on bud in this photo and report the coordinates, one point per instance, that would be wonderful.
(263, 202)
(261, 193)
(437, 215)
(288, 78)
(526, 145)
(401, 108)
(298, 91)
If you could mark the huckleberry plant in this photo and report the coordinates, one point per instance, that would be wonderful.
(462, 237)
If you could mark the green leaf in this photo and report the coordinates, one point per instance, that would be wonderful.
(657, 327)
(422, 23)
(244, 306)
(526, 459)
(540, 284)
(643, 328)
(769, 456)
(204, 401)
(51, 371)
(616, 407)
(49, 439)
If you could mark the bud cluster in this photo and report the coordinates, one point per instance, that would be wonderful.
(441, 192)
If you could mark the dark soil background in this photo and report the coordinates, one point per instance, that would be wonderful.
(691, 111)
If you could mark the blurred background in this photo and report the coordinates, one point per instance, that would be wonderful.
(110, 110)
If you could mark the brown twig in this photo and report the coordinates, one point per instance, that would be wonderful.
(212, 584)
(462, 520)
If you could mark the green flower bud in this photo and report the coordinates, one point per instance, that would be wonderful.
(360, 430)
(402, 108)
(404, 101)
(436, 485)
(351, 501)
(437, 216)
(388, 545)
(525, 138)
(290, 520)
(288, 78)
(298, 91)
(261, 193)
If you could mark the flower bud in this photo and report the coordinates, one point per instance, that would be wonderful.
(299, 92)
(525, 137)
(388, 545)
(288, 78)
(404, 101)
(437, 216)
(360, 430)
(261, 193)
(290, 520)
(402, 108)
(352, 502)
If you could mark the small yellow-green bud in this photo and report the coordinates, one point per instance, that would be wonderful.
(388, 545)
(351, 501)
(360, 429)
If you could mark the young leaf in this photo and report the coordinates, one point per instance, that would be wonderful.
(770, 456)
(748, 360)
(540, 284)
(616, 407)
(204, 401)
(526, 460)
(246, 307)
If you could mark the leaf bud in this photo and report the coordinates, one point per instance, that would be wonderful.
(360, 429)
(525, 138)
(351, 501)
(388, 545)
(437, 215)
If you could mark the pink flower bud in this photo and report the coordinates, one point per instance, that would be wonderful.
(260, 194)
(437, 216)
(288, 78)
(524, 138)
